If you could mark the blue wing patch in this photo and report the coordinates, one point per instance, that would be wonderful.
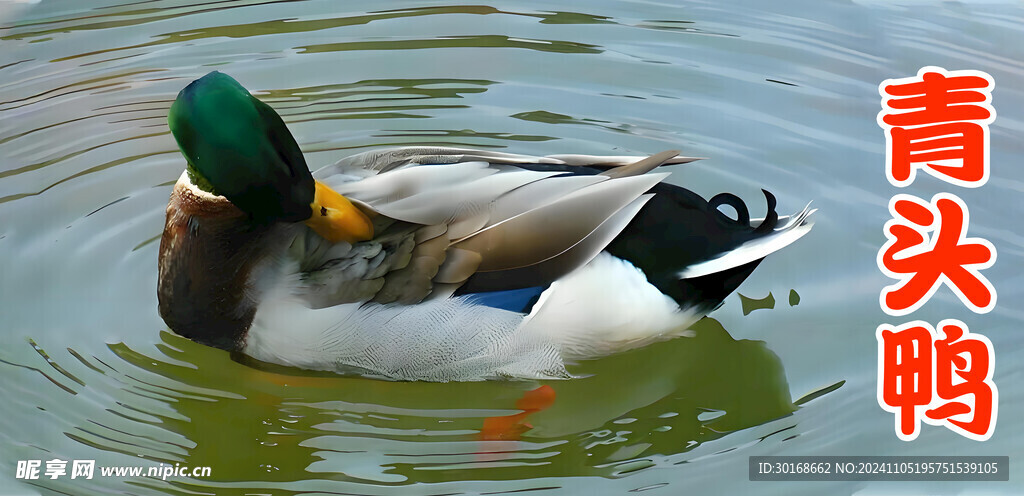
(513, 300)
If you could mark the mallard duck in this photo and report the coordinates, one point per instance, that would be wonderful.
(435, 263)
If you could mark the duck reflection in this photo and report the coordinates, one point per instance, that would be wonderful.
(288, 424)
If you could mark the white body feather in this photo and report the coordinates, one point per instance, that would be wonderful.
(605, 307)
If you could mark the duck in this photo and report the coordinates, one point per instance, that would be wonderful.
(436, 263)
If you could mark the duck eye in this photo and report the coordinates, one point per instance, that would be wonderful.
(323, 211)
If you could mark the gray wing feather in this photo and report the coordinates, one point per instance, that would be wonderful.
(413, 282)
(427, 233)
(565, 262)
(613, 161)
(458, 200)
(407, 182)
(458, 265)
(345, 273)
(549, 230)
(410, 284)
(538, 194)
(641, 166)
(378, 161)
(438, 225)
(392, 158)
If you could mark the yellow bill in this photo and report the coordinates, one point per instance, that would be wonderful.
(337, 219)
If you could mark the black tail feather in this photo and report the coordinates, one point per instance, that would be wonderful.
(678, 228)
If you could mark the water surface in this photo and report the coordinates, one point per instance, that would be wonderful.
(781, 96)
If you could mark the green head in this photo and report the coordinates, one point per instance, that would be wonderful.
(238, 147)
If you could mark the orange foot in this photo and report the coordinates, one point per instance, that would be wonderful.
(510, 427)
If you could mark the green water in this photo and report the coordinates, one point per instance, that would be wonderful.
(781, 96)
